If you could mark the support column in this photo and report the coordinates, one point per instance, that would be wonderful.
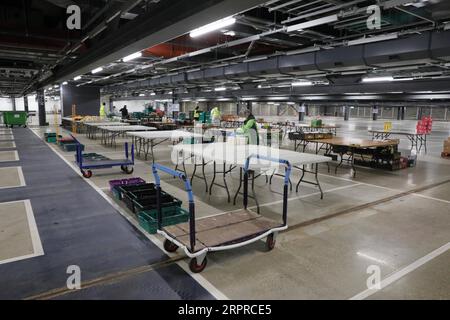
(13, 102)
(25, 103)
(403, 111)
(41, 107)
(346, 112)
(375, 113)
(301, 112)
(249, 106)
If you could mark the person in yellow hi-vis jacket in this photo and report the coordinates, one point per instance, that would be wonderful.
(196, 113)
(215, 116)
(103, 110)
(250, 129)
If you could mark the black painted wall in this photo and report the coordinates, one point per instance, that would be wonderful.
(87, 100)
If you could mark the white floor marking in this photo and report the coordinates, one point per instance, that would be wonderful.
(21, 178)
(307, 195)
(364, 183)
(431, 198)
(34, 233)
(197, 277)
(402, 272)
(16, 156)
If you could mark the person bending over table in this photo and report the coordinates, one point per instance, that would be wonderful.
(250, 129)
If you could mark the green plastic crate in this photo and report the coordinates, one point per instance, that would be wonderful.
(316, 123)
(15, 118)
(170, 216)
(51, 139)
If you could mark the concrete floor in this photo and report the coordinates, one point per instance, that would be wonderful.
(386, 219)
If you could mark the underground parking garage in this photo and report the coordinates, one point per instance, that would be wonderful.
(225, 150)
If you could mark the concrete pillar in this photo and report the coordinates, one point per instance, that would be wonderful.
(250, 106)
(301, 112)
(41, 107)
(346, 113)
(374, 113)
(403, 111)
(25, 103)
(13, 102)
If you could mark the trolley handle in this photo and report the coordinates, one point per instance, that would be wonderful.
(187, 184)
(158, 167)
(281, 161)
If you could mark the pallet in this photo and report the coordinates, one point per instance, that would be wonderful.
(445, 155)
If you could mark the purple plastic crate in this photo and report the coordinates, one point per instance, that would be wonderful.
(122, 182)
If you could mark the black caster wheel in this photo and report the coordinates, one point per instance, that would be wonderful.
(87, 174)
(170, 246)
(195, 268)
(127, 169)
(270, 242)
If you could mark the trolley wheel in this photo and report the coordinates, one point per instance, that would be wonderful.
(195, 268)
(127, 169)
(169, 246)
(87, 174)
(24, 125)
(270, 242)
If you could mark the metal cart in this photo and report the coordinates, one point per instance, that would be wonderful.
(87, 163)
(223, 231)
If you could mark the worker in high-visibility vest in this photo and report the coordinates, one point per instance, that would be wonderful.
(250, 129)
(102, 111)
(215, 116)
(196, 113)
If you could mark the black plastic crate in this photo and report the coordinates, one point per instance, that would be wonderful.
(135, 188)
(150, 203)
(130, 200)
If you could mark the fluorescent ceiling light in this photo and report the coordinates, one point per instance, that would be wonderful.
(313, 23)
(77, 78)
(378, 79)
(153, 94)
(64, 83)
(222, 23)
(220, 89)
(230, 33)
(55, 86)
(141, 95)
(97, 70)
(301, 83)
(132, 56)
(373, 39)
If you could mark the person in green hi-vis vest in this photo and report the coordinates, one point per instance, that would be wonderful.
(103, 110)
(250, 129)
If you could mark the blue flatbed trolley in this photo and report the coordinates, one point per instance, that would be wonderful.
(223, 231)
(86, 165)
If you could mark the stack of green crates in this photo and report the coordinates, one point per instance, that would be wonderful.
(315, 123)
(170, 216)
(50, 137)
(205, 117)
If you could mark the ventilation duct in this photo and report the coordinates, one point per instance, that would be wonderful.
(341, 59)
(393, 53)
(440, 45)
(195, 76)
(264, 68)
(300, 64)
(214, 74)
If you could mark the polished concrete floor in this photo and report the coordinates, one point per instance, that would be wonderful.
(397, 222)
